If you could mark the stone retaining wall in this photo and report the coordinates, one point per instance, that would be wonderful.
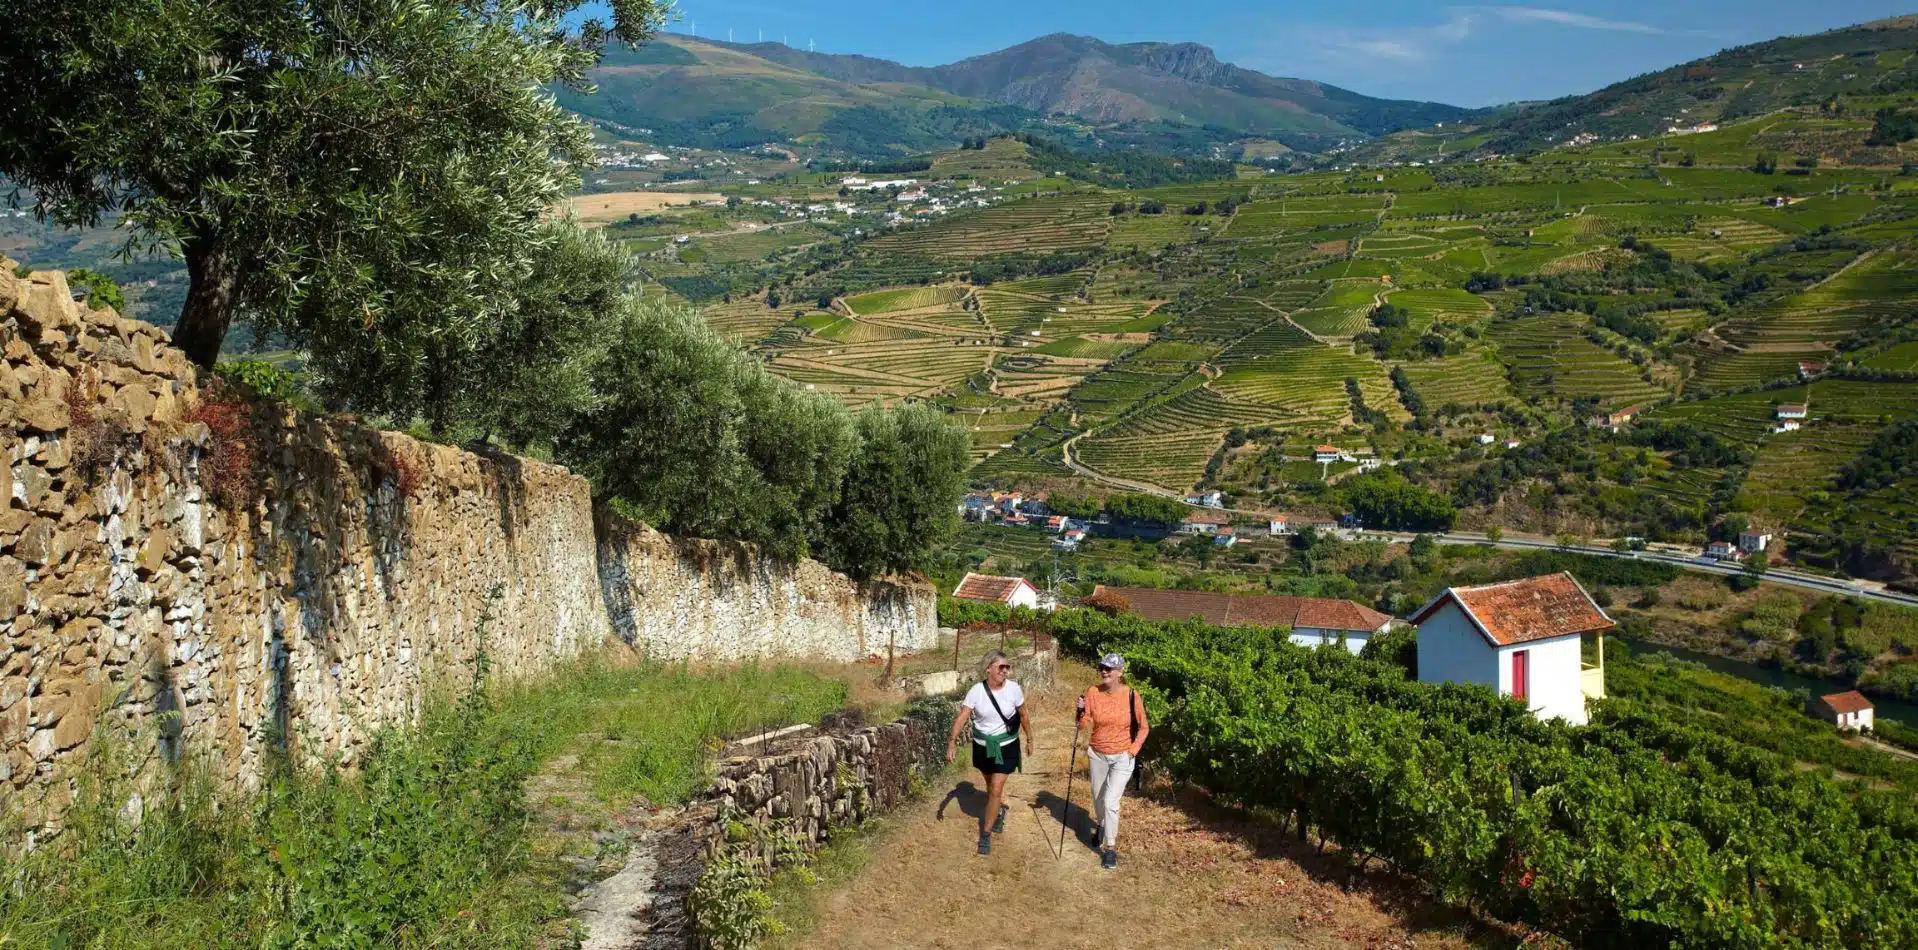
(694, 599)
(798, 797)
(320, 596)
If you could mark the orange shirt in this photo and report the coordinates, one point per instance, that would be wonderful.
(1110, 720)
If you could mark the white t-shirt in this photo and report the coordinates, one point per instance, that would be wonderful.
(985, 721)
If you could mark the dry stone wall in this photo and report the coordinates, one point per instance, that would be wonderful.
(694, 599)
(321, 594)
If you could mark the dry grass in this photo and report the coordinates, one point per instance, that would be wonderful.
(593, 210)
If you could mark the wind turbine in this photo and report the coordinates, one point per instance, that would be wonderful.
(729, 34)
(808, 44)
(695, 26)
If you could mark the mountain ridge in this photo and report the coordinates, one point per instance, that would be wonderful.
(1177, 96)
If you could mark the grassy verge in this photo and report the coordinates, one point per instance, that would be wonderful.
(428, 844)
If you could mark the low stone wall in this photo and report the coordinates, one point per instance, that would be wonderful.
(798, 796)
(319, 595)
(694, 599)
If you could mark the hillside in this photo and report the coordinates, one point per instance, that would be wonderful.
(1871, 59)
(696, 91)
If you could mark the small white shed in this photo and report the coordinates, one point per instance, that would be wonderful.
(1522, 638)
(994, 589)
(1850, 711)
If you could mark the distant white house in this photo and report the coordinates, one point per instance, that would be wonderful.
(1788, 425)
(1486, 438)
(1512, 443)
(1790, 410)
(1521, 638)
(1749, 541)
(1278, 524)
(992, 589)
(1721, 550)
(1850, 711)
(1225, 537)
(1326, 453)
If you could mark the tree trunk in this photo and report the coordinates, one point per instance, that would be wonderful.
(213, 274)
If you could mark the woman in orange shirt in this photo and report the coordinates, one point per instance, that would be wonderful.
(1117, 716)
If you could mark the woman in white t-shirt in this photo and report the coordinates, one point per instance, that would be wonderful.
(995, 708)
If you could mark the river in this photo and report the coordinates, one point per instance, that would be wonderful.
(1903, 712)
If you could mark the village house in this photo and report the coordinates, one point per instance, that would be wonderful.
(1315, 621)
(1326, 453)
(1512, 442)
(1788, 425)
(1069, 540)
(1809, 368)
(1276, 525)
(1522, 638)
(1850, 711)
(1614, 421)
(1721, 550)
(993, 589)
(1204, 522)
(1225, 537)
(1750, 541)
(1790, 410)
(1486, 438)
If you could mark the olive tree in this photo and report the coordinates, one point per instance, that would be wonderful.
(363, 170)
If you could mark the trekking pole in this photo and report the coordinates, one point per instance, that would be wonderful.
(1072, 763)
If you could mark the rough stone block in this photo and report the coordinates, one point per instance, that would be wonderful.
(13, 588)
(35, 546)
(45, 415)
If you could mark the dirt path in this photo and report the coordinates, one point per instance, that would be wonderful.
(1189, 875)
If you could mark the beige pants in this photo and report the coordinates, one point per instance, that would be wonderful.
(1109, 775)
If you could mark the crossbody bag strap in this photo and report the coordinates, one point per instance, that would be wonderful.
(1012, 723)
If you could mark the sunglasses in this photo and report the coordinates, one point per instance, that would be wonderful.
(1002, 666)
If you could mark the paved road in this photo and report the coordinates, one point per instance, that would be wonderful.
(1690, 562)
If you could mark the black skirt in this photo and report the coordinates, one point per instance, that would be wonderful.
(1008, 752)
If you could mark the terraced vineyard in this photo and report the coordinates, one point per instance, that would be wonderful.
(1473, 378)
(1651, 280)
(1341, 310)
(1071, 222)
(1549, 354)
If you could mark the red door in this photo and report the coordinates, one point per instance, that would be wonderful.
(1521, 673)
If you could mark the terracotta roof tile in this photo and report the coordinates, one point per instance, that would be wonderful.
(1849, 701)
(1247, 610)
(987, 587)
(1535, 608)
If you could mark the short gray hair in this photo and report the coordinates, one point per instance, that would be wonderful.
(992, 656)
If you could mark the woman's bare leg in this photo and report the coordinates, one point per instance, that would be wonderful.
(995, 796)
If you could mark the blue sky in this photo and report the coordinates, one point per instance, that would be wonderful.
(1465, 55)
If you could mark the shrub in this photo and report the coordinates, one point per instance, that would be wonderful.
(229, 468)
(1108, 602)
(1398, 646)
(1698, 593)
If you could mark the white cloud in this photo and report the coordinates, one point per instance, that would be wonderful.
(1425, 43)
(1568, 18)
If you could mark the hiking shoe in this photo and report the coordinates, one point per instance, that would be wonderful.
(985, 844)
(1109, 859)
(999, 824)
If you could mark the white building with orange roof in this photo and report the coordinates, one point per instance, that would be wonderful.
(1522, 638)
